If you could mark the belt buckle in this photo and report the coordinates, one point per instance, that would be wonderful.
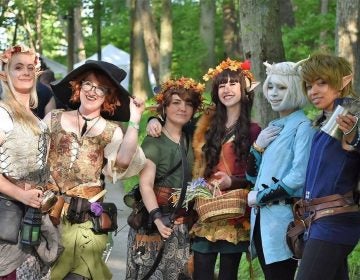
(282, 202)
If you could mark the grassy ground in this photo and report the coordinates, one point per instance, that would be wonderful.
(244, 271)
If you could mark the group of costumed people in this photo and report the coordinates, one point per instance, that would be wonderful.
(69, 153)
(292, 160)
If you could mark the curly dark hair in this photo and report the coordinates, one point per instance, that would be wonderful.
(217, 131)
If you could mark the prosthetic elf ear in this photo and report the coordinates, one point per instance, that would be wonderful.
(250, 86)
(3, 76)
(346, 80)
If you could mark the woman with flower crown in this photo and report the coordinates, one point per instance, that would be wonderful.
(178, 101)
(24, 143)
(280, 152)
(222, 141)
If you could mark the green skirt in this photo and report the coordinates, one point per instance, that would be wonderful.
(83, 251)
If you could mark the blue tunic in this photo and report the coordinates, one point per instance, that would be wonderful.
(333, 170)
(285, 159)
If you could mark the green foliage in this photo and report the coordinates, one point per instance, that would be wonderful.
(115, 28)
(188, 49)
(311, 112)
(303, 39)
(245, 268)
(353, 263)
(130, 182)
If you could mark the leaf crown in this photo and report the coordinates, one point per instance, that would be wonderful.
(174, 84)
(233, 65)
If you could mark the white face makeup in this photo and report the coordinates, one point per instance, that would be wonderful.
(277, 92)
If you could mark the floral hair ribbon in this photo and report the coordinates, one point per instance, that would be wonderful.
(234, 65)
(181, 83)
(6, 56)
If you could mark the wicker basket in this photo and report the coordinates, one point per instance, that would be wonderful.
(229, 205)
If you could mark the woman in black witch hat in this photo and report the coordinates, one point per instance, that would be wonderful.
(85, 145)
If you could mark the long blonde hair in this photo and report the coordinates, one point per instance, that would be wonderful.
(18, 110)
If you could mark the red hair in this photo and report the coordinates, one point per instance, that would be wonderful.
(111, 99)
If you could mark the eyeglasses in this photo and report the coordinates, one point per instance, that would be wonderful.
(99, 90)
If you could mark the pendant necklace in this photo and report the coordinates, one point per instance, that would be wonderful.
(84, 127)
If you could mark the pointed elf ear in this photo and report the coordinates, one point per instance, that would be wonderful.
(3, 76)
(346, 80)
(250, 86)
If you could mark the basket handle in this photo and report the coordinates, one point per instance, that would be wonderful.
(216, 188)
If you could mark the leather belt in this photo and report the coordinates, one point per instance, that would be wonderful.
(325, 206)
(281, 202)
(304, 206)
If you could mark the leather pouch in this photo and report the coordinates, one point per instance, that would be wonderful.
(78, 211)
(295, 238)
(11, 215)
(56, 211)
(107, 221)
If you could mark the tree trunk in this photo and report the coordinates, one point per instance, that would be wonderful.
(231, 30)
(257, 18)
(207, 31)
(287, 13)
(28, 28)
(79, 47)
(139, 79)
(166, 41)
(3, 11)
(97, 18)
(151, 37)
(70, 38)
(347, 43)
(323, 11)
(38, 33)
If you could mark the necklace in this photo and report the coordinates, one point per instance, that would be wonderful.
(167, 133)
(229, 132)
(231, 127)
(84, 127)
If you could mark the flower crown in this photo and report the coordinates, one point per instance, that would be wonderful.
(182, 83)
(6, 56)
(232, 65)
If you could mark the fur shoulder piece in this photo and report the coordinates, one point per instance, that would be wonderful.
(202, 127)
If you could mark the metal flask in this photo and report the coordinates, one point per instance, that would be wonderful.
(331, 127)
(48, 202)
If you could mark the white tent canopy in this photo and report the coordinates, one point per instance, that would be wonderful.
(59, 69)
(120, 58)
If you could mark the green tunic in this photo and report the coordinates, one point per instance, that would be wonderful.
(173, 266)
(165, 154)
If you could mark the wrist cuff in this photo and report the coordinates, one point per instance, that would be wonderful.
(155, 214)
(134, 125)
(258, 148)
